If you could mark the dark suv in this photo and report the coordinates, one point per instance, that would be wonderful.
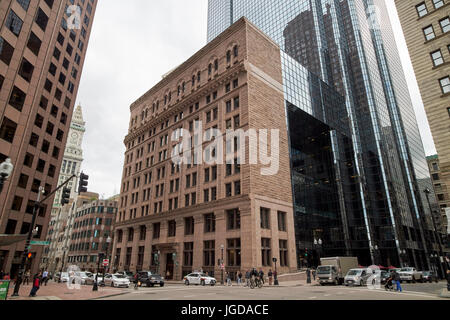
(150, 279)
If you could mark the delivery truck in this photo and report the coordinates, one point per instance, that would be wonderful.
(333, 270)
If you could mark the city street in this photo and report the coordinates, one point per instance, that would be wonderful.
(283, 292)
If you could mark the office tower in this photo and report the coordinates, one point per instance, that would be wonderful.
(42, 52)
(175, 218)
(71, 165)
(349, 44)
(426, 26)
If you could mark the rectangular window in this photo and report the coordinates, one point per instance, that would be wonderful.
(265, 218)
(41, 19)
(281, 221)
(189, 226)
(172, 228)
(210, 222)
(228, 192)
(437, 58)
(26, 70)
(283, 253)
(6, 51)
(209, 253)
(17, 98)
(233, 219)
(429, 33)
(266, 252)
(156, 230)
(445, 84)
(421, 9)
(445, 24)
(234, 252)
(34, 43)
(438, 3)
(8, 130)
(188, 254)
(14, 23)
(24, 4)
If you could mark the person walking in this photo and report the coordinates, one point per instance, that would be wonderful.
(239, 279)
(270, 275)
(247, 279)
(27, 277)
(314, 274)
(229, 279)
(136, 281)
(7, 276)
(36, 284)
(397, 281)
(45, 277)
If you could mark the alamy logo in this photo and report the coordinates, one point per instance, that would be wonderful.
(74, 279)
(74, 20)
(214, 147)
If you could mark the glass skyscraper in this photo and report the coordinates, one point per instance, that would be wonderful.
(358, 163)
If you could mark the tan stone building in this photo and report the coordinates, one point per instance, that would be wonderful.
(440, 188)
(177, 219)
(426, 25)
(41, 61)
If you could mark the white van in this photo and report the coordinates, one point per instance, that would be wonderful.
(357, 277)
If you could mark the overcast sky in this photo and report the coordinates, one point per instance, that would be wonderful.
(132, 45)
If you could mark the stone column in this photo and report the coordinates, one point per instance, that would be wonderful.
(197, 262)
(148, 246)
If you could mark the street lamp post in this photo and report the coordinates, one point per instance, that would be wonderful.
(221, 262)
(275, 281)
(100, 257)
(6, 169)
(62, 264)
(108, 241)
(318, 246)
(443, 266)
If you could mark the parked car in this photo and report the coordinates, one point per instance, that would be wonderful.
(410, 274)
(357, 277)
(128, 274)
(429, 276)
(199, 278)
(117, 280)
(149, 280)
(64, 277)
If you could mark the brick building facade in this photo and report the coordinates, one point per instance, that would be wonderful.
(174, 219)
(41, 61)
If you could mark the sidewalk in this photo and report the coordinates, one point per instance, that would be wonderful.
(60, 291)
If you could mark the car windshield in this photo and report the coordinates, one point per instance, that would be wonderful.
(204, 275)
(129, 273)
(405, 269)
(119, 276)
(324, 269)
(354, 272)
(426, 273)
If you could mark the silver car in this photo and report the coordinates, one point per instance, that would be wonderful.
(117, 280)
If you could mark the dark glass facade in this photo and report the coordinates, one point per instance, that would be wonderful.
(359, 185)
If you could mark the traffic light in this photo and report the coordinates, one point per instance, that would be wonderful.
(82, 186)
(29, 255)
(306, 253)
(65, 196)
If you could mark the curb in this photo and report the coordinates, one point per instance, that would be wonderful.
(109, 296)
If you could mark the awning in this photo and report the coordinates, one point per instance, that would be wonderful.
(8, 239)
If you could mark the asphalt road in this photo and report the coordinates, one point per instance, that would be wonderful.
(417, 291)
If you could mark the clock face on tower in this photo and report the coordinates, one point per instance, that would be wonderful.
(74, 138)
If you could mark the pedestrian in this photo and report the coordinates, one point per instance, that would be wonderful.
(229, 279)
(168, 275)
(136, 281)
(247, 278)
(27, 277)
(308, 275)
(2, 274)
(36, 284)
(314, 274)
(45, 277)
(239, 279)
(261, 275)
(397, 281)
(6, 276)
(270, 275)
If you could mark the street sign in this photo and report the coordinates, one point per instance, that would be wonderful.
(40, 243)
(4, 286)
(222, 266)
(105, 262)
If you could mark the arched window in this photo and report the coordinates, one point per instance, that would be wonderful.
(209, 69)
(193, 80)
(216, 64)
(235, 51)
(198, 76)
(228, 56)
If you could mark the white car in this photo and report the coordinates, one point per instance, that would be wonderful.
(86, 277)
(199, 278)
(410, 274)
(63, 276)
(356, 277)
(117, 280)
